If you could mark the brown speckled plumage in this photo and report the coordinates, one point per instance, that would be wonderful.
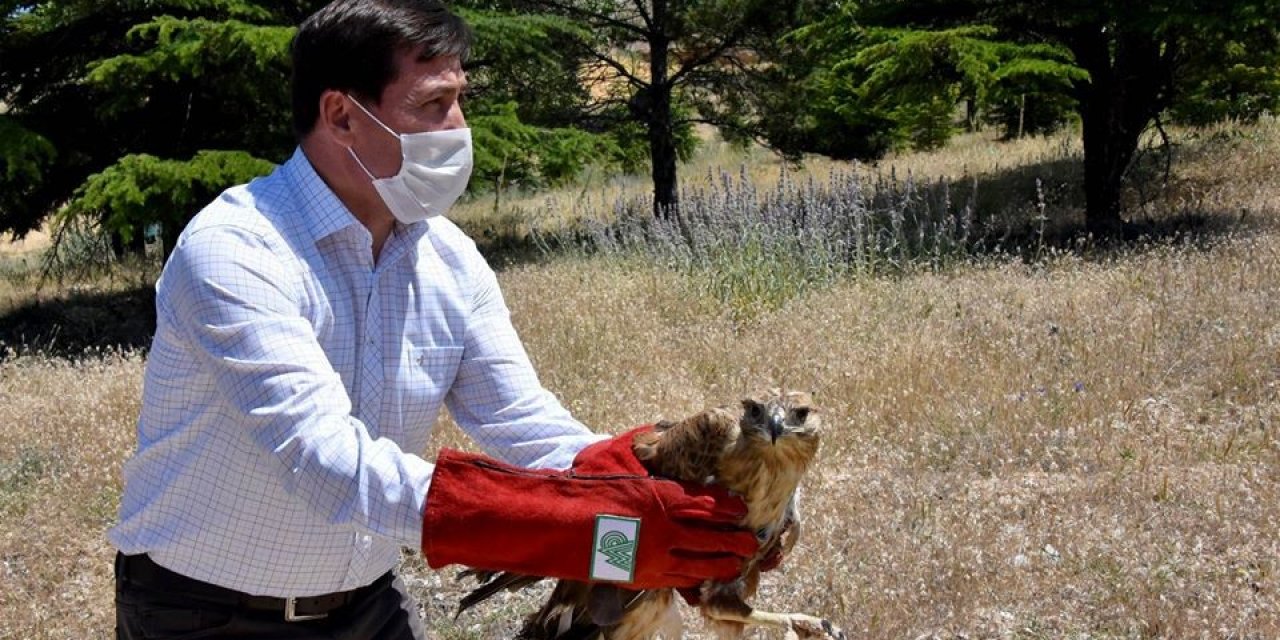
(761, 452)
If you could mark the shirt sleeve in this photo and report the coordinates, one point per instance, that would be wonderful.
(497, 398)
(239, 308)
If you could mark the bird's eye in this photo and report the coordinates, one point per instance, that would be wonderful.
(800, 414)
(754, 411)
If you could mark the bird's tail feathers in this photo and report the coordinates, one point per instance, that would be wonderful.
(565, 615)
(492, 583)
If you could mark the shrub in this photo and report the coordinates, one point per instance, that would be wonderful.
(753, 251)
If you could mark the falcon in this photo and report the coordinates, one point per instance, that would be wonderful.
(760, 452)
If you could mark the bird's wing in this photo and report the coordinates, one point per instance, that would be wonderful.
(563, 616)
(581, 611)
(573, 611)
(689, 450)
(778, 540)
(791, 526)
(492, 583)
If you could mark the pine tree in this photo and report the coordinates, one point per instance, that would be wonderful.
(666, 63)
(133, 112)
(101, 91)
(1140, 59)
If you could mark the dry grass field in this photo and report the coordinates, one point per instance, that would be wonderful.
(1082, 446)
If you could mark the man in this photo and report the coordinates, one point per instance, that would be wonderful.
(311, 324)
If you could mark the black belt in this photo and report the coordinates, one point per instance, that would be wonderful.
(143, 571)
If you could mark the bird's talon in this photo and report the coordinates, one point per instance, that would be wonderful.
(816, 628)
(832, 630)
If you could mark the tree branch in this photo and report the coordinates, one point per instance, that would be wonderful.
(604, 19)
(1168, 149)
(708, 57)
(596, 108)
(622, 71)
(644, 15)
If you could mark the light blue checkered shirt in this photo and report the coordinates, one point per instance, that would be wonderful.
(292, 384)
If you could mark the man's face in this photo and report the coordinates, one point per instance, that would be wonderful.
(425, 96)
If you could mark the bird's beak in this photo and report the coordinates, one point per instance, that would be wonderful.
(776, 419)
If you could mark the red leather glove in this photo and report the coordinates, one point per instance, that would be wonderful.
(578, 524)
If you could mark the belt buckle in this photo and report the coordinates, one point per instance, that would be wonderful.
(291, 612)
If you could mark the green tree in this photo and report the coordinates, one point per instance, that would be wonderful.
(534, 118)
(1230, 78)
(800, 103)
(666, 63)
(903, 85)
(130, 112)
(919, 76)
(853, 91)
(1139, 57)
(92, 89)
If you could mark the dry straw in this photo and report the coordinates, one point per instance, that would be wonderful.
(1069, 445)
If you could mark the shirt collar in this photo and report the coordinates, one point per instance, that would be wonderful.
(323, 214)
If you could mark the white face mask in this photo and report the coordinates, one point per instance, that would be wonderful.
(434, 169)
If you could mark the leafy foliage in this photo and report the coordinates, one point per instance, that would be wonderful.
(111, 103)
(24, 153)
(667, 64)
(907, 82)
(532, 112)
(1231, 79)
(510, 152)
(1034, 96)
(243, 61)
(1121, 64)
(140, 189)
(102, 80)
(530, 60)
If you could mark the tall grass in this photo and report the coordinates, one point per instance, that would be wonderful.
(1075, 445)
(754, 250)
(756, 238)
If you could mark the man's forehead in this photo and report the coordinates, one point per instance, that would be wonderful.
(417, 75)
(418, 58)
(415, 68)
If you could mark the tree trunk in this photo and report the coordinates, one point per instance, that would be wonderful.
(169, 232)
(1123, 95)
(662, 147)
(136, 246)
(1106, 157)
(1022, 115)
(662, 151)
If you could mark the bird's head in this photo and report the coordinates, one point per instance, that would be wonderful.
(780, 418)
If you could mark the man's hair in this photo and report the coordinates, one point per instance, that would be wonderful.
(351, 46)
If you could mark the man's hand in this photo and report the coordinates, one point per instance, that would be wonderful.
(604, 519)
(616, 456)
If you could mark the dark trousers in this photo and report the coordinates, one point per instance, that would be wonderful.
(153, 603)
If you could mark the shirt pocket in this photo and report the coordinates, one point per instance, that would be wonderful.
(426, 376)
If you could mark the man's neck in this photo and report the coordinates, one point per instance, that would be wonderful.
(358, 195)
(381, 230)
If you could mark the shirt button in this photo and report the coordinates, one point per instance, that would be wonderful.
(366, 541)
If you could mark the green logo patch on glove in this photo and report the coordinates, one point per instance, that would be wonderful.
(613, 558)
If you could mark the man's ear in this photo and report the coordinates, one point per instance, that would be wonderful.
(335, 117)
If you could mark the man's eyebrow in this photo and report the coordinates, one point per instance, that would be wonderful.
(434, 88)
